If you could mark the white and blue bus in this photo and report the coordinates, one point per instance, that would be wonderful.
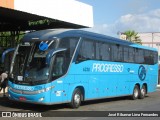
(71, 66)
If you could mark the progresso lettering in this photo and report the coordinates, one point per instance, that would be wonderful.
(107, 67)
(23, 88)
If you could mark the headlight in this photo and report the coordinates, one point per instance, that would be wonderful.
(31, 92)
(45, 90)
(41, 99)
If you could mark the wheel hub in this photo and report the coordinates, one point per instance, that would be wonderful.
(77, 98)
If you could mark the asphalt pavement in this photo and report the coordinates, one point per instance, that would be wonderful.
(150, 103)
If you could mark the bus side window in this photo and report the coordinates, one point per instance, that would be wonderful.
(59, 65)
(139, 53)
(131, 55)
(155, 57)
(105, 51)
(126, 54)
(87, 51)
(98, 47)
(151, 57)
(117, 53)
(148, 57)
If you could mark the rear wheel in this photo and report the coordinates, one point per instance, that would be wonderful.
(143, 92)
(76, 98)
(136, 92)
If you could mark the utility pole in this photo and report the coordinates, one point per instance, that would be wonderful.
(152, 39)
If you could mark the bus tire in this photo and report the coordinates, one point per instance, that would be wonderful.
(143, 92)
(136, 92)
(76, 98)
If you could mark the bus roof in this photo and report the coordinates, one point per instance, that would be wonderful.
(50, 34)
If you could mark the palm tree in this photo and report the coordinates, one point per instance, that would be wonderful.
(132, 36)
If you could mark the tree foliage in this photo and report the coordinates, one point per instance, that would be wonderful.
(10, 39)
(132, 36)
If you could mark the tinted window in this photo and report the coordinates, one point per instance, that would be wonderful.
(92, 49)
(63, 59)
(126, 54)
(105, 51)
(155, 54)
(87, 50)
(139, 56)
(148, 57)
(117, 53)
(131, 55)
(69, 43)
(98, 47)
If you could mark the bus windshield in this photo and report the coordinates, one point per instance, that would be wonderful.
(29, 64)
(36, 67)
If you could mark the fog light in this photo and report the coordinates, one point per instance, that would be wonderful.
(9, 95)
(41, 99)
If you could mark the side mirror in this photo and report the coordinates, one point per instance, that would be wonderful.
(5, 53)
(51, 53)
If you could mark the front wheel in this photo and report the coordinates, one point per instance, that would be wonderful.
(76, 98)
(143, 92)
(136, 92)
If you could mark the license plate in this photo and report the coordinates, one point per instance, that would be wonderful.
(22, 98)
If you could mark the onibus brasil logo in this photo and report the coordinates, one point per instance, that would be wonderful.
(142, 72)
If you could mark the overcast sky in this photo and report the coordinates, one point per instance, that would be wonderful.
(113, 16)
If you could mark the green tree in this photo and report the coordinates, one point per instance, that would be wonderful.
(10, 39)
(132, 36)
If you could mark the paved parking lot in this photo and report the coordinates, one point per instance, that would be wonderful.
(151, 103)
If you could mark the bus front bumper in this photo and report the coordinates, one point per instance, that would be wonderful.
(41, 98)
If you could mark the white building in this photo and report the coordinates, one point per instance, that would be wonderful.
(151, 40)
